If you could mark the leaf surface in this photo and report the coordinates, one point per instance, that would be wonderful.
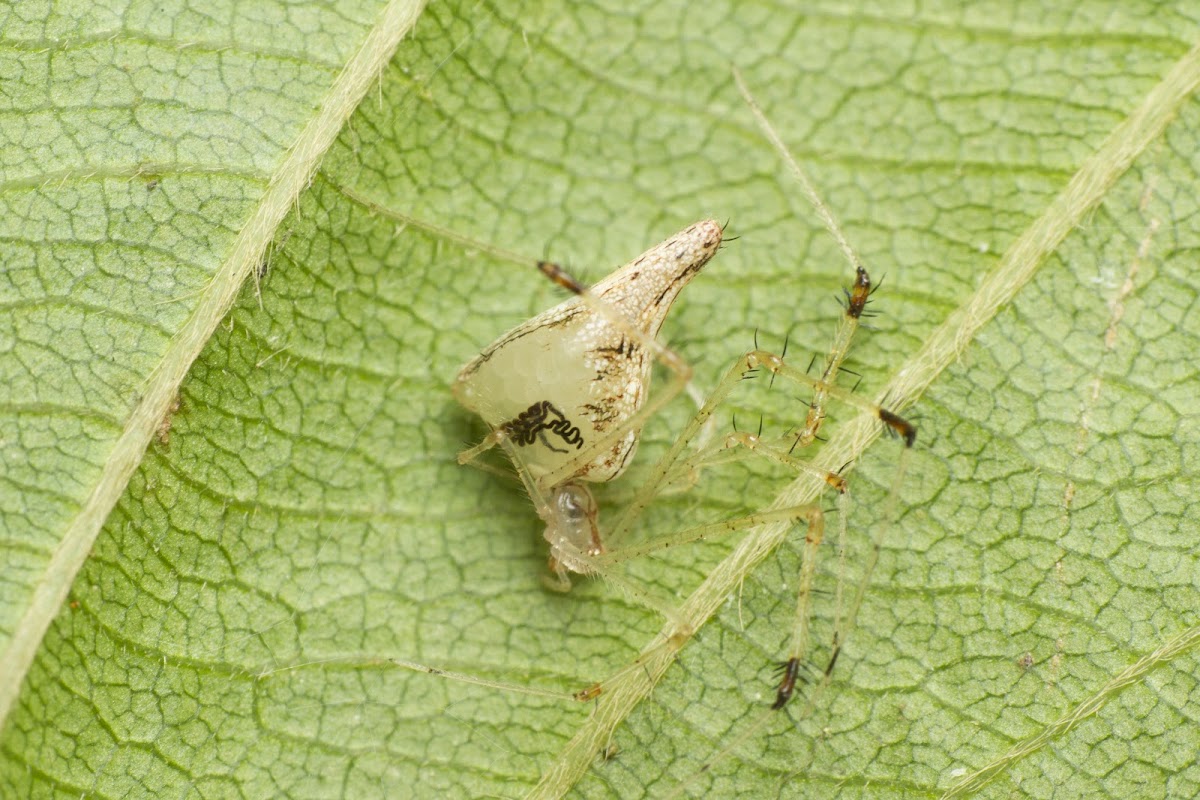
(1025, 183)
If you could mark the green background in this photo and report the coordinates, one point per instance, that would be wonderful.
(303, 519)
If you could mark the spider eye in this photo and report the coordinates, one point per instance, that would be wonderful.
(575, 504)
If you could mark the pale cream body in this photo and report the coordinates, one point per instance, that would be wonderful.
(588, 358)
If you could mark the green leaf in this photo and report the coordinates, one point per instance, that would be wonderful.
(1026, 182)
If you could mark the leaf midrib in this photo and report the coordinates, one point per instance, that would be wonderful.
(290, 180)
(1086, 188)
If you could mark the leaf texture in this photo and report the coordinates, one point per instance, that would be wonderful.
(251, 222)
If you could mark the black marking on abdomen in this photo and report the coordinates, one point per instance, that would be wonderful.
(527, 427)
